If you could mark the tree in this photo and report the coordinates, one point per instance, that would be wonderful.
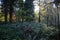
(8, 7)
(28, 6)
(56, 2)
(5, 9)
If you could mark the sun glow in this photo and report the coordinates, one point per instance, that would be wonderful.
(36, 6)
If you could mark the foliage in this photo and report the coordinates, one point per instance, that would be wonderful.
(1, 17)
(17, 31)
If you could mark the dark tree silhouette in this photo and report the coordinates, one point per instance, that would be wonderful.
(56, 2)
(29, 7)
(5, 9)
(11, 2)
(8, 7)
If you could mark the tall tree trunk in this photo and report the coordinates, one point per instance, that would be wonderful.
(5, 16)
(58, 36)
(5, 8)
(10, 12)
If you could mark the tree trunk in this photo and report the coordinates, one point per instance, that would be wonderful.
(5, 11)
(10, 12)
(5, 17)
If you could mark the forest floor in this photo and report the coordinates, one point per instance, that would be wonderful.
(16, 30)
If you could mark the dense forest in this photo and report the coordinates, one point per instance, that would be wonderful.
(29, 19)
